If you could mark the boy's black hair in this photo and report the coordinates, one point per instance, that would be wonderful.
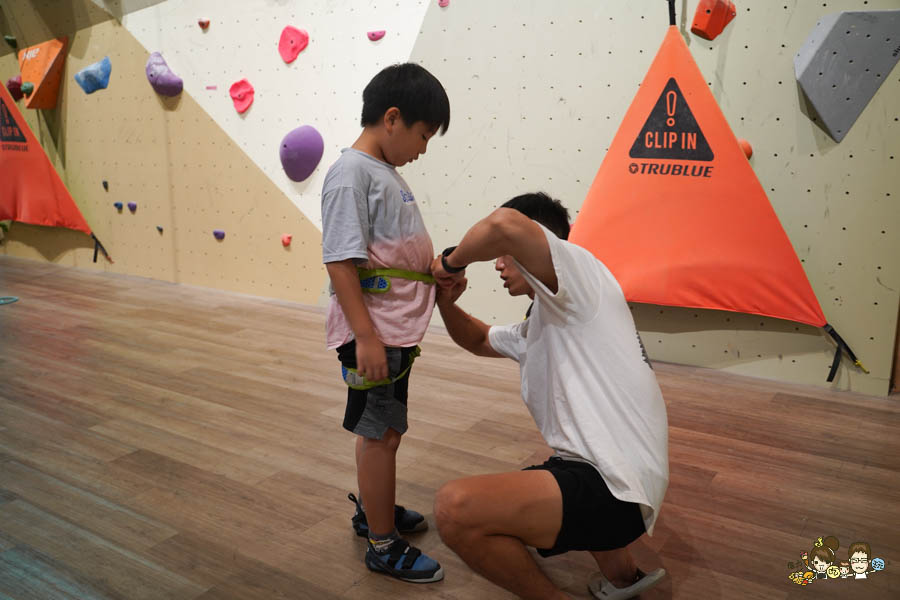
(545, 210)
(411, 88)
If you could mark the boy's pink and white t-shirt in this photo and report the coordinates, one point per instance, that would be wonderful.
(370, 215)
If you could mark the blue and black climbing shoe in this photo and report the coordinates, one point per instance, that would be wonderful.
(402, 561)
(406, 521)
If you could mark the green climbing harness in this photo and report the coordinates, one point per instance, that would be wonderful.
(357, 382)
(377, 281)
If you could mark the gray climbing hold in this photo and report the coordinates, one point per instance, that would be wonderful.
(844, 61)
(11, 40)
(106, 185)
(220, 234)
(161, 77)
(159, 228)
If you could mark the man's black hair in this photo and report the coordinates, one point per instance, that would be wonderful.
(545, 210)
(412, 89)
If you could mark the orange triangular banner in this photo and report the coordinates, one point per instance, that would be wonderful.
(676, 212)
(30, 188)
(42, 65)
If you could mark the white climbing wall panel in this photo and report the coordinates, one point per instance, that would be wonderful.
(322, 87)
(538, 90)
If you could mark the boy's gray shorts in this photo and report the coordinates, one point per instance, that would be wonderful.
(370, 412)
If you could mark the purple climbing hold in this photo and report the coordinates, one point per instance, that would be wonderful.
(14, 85)
(301, 151)
(219, 233)
(132, 206)
(118, 205)
(161, 77)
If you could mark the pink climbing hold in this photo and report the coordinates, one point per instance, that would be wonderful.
(443, 3)
(14, 85)
(203, 23)
(242, 95)
(286, 239)
(376, 35)
(292, 43)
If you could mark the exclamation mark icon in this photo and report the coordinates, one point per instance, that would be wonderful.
(670, 107)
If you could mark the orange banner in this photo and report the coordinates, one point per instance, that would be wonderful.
(30, 188)
(677, 213)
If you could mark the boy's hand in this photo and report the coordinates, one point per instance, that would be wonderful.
(371, 359)
(442, 277)
(449, 295)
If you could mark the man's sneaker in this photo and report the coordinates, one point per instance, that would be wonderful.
(601, 588)
(404, 562)
(406, 521)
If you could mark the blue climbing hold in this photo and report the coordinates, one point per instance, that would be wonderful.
(118, 205)
(94, 77)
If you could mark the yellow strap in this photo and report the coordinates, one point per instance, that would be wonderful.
(401, 273)
(356, 381)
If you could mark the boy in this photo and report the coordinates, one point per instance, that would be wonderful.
(592, 393)
(378, 254)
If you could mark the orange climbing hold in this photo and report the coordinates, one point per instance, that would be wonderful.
(712, 17)
(42, 65)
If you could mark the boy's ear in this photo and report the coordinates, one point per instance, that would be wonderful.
(391, 118)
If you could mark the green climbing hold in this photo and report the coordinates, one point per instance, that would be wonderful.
(27, 88)
(8, 299)
(11, 40)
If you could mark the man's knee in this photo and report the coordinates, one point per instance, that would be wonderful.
(450, 510)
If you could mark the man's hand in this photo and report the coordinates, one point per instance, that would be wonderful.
(449, 295)
(442, 277)
(371, 359)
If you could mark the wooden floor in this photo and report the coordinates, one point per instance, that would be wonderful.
(164, 441)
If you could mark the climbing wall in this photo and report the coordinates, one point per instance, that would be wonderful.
(538, 94)
(537, 91)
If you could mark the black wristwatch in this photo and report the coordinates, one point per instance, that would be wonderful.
(447, 252)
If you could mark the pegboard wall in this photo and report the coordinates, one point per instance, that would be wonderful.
(537, 91)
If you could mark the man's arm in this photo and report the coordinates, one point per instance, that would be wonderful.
(467, 331)
(370, 355)
(505, 231)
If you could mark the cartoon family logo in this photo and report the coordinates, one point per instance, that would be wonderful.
(821, 562)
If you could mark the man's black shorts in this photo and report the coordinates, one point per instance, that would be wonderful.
(593, 519)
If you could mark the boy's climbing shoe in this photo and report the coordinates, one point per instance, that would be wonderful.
(406, 521)
(404, 562)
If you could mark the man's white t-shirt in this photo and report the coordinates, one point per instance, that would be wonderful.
(586, 379)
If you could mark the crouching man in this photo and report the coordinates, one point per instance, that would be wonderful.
(590, 388)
